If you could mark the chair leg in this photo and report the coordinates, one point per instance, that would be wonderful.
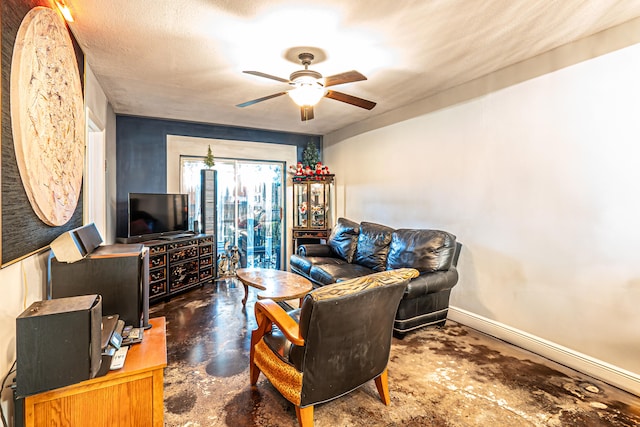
(382, 384)
(305, 416)
(254, 371)
(256, 336)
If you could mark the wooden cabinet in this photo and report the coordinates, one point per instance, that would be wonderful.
(130, 396)
(313, 208)
(180, 264)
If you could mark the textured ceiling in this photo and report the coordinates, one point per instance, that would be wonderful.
(183, 59)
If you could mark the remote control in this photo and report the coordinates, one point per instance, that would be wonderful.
(117, 361)
(134, 334)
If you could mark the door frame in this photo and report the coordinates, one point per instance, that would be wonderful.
(95, 175)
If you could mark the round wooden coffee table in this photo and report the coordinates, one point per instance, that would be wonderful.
(276, 285)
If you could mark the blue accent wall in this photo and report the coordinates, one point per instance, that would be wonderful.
(141, 152)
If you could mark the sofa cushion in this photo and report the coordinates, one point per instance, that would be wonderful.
(343, 238)
(424, 250)
(373, 246)
(331, 273)
(304, 264)
(300, 263)
(314, 249)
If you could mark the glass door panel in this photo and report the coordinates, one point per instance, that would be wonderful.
(227, 206)
(300, 198)
(317, 203)
(260, 213)
(250, 208)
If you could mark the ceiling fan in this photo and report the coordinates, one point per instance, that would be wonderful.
(310, 87)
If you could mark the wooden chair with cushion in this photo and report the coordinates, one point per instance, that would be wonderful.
(338, 340)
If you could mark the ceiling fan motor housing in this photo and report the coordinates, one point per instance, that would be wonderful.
(305, 76)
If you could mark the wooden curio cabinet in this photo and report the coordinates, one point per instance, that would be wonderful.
(313, 208)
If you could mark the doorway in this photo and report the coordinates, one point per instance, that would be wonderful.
(95, 199)
(249, 207)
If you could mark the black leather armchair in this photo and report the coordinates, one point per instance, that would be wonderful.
(338, 340)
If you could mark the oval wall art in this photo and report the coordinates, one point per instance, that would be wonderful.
(47, 116)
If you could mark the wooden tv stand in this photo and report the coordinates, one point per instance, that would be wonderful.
(181, 263)
(129, 396)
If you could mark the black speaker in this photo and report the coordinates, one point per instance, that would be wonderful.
(117, 272)
(58, 343)
(76, 244)
(208, 201)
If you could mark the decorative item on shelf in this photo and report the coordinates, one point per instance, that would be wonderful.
(310, 155)
(297, 170)
(209, 160)
(319, 173)
(223, 265)
(234, 260)
(228, 262)
(302, 209)
(311, 168)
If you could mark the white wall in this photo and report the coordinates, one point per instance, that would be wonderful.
(110, 149)
(23, 283)
(102, 115)
(539, 181)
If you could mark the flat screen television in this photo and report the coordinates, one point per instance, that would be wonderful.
(157, 214)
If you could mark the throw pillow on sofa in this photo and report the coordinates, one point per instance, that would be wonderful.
(424, 250)
(373, 246)
(344, 238)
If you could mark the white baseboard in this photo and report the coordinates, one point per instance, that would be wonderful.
(606, 372)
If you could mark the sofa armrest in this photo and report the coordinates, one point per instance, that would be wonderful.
(428, 283)
(315, 249)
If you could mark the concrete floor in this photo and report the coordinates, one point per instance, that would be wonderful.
(454, 376)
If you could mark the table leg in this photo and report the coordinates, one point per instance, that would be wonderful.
(246, 293)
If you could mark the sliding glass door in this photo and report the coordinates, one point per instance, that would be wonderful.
(250, 207)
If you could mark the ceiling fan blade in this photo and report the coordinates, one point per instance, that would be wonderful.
(349, 99)
(306, 113)
(264, 98)
(267, 76)
(347, 77)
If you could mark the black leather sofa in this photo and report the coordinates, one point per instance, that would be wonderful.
(355, 250)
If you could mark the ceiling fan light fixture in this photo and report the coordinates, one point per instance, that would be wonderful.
(307, 94)
(309, 87)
